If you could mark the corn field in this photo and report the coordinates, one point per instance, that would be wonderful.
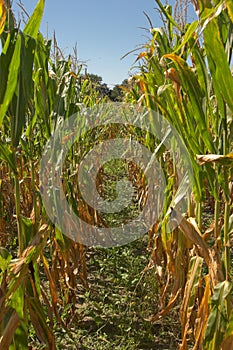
(184, 74)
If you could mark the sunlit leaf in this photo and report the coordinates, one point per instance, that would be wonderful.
(33, 25)
(167, 14)
(2, 15)
(12, 80)
(218, 62)
(142, 54)
(190, 32)
(229, 4)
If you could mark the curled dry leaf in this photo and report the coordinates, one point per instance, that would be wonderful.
(191, 231)
(202, 316)
(173, 75)
(215, 158)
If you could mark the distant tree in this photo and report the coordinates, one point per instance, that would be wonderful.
(97, 82)
(96, 79)
(117, 93)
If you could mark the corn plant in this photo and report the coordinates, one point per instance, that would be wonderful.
(39, 277)
(185, 74)
(183, 78)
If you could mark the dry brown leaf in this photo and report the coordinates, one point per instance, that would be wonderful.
(209, 231)
(52, 284)
(191, 231)
(166, 310)
(142, 54)
(173, 75)
(212, 158)
(227, 343)
(202, 316)
(8, 333)
(43, 331)
(187, 309)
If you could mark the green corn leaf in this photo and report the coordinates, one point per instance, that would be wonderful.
(33, 25)
(12, 80)
(37, 278)
(212, 13)
(160, 36)
(217, 321)
(201, 68)
(192, 88)
(7, 155)
(167, 14)
(24, 92)
(201, 6)
(5, 60)
(181, 191)
(27, 59)
(193, 279)
(44, 87)
(39, 321)
(219, 66)
(5, 259)
(229, 5)
(221, 291)
(228, 341)
(27, 232)
(21, 334)
(188, 35)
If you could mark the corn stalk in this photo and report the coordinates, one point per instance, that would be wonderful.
(187, 78)
(35, 92)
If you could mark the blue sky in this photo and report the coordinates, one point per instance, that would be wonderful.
(104, 31)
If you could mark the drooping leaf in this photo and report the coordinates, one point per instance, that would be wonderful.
(191, 231)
